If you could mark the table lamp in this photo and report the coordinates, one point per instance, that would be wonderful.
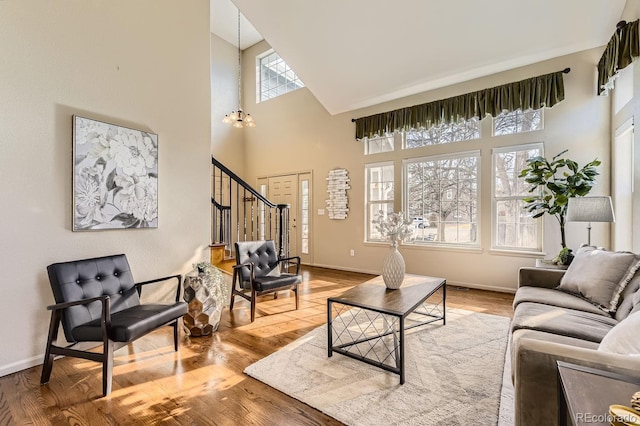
(590, 209)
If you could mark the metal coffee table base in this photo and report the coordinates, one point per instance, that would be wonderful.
(368, 322)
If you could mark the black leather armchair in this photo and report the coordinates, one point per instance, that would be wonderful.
(259, 271)
(97, 300)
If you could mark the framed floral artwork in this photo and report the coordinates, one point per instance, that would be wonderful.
(115, 176)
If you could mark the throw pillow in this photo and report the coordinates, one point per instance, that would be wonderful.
(622, 285)
(626, 300)
(596, 275)
(623, 338)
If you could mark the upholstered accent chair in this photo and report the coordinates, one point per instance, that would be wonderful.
(97, 300)
(259, 271)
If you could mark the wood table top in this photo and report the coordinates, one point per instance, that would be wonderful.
(374, 295)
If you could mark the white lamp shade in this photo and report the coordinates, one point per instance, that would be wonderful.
(590, 209)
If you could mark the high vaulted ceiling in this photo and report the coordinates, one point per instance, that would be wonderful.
(356, 53)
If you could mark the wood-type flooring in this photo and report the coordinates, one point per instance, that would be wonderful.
(202, 383)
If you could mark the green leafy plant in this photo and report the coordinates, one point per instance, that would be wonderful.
(564, 257)
(554, 183)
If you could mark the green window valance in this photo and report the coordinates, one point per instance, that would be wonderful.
(622, 48)
(531, 93)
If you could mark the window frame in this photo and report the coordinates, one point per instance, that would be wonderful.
(259, 92)
(367, 148)
(477, 122)
(452, 155)
(518, 111)
(495, 200)
(368, 203)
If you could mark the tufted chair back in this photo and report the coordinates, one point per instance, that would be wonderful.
(262, 254)
(83, 279)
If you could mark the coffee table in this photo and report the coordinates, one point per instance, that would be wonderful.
(368, 322)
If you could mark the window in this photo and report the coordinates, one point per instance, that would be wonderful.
(518, 121)
(442, 198)
(379, 197)
(304, 196)
(444, 133)
(275, 77)
(379, 144)
(514, 228)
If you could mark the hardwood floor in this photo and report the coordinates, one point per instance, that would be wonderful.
(202, 383)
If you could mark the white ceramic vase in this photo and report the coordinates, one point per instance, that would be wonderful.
(393, 268)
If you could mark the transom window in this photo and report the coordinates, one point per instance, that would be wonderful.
(518, 121)
(379, 144)
(275, 77)
(444, 133)
(442, 198)
(514, 228)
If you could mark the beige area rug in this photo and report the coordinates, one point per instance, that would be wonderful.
(454, 375)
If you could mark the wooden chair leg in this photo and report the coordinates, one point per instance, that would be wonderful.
(47, 365)
(253, 305)
(275, 295)
(295, 290)
(107, 367)
(233, 299)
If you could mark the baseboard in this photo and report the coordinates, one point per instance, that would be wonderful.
(451, 283)
(14, 367)
(481, 287)
(342, 268)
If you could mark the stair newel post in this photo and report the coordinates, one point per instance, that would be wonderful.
(283, 229)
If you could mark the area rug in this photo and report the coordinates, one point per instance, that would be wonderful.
(454, 375)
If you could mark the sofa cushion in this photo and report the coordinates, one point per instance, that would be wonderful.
(626, 300)
(598, 275)
(623, 338)
(553, 297)
(636, 303)
(562, 321)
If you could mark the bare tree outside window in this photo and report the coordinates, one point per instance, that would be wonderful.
(518, 121)
(444, 133)
(514, 228)
(442, 198)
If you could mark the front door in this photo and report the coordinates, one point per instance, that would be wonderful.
(295, 190)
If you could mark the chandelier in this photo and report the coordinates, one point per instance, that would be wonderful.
(239, 118)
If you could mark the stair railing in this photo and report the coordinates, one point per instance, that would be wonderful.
(241, 213)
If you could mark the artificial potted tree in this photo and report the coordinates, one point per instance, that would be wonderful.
(554, 183)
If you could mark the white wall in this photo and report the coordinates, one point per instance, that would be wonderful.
(227, 144)
(631, 110)
(295, 133)
(143, 64)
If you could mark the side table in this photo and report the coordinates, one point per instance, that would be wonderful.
(548, 264)
(585, 394)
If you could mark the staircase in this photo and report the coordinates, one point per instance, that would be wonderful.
(241, 213)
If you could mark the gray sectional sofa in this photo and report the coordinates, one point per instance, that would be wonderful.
(587, 315)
